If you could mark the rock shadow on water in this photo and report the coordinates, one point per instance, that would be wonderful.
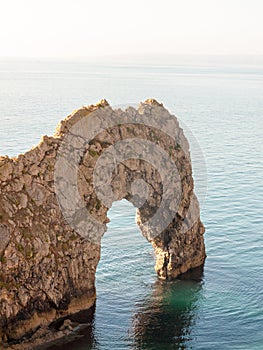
(81, 332)
(166, 319)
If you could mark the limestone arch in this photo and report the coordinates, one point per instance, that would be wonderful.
(48, 268)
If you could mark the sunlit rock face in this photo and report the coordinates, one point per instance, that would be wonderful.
(54, 203)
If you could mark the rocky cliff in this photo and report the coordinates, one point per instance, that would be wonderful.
(54, 201)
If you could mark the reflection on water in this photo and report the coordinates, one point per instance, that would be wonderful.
(166, 318)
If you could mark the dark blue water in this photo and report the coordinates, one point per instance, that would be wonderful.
(220, 307)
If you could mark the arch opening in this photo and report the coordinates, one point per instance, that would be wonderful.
(123, 275)
(123, 246)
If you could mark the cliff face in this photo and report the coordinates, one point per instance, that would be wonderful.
(54, 202)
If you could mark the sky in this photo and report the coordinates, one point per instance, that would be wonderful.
(81, 28)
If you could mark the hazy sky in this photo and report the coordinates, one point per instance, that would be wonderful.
(67, 28)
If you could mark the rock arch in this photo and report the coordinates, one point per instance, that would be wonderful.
(47, 266)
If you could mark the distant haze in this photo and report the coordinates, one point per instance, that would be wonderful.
(80, 28)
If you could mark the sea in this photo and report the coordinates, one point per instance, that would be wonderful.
(219, 102)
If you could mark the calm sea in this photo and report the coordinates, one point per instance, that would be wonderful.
(221, 102)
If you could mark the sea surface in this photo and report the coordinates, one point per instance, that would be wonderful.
(220, 103)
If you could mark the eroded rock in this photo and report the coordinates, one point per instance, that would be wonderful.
(47, 266)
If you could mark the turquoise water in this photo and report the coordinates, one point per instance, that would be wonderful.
(220, 307)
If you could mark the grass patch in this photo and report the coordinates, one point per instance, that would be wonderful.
(93, 153)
